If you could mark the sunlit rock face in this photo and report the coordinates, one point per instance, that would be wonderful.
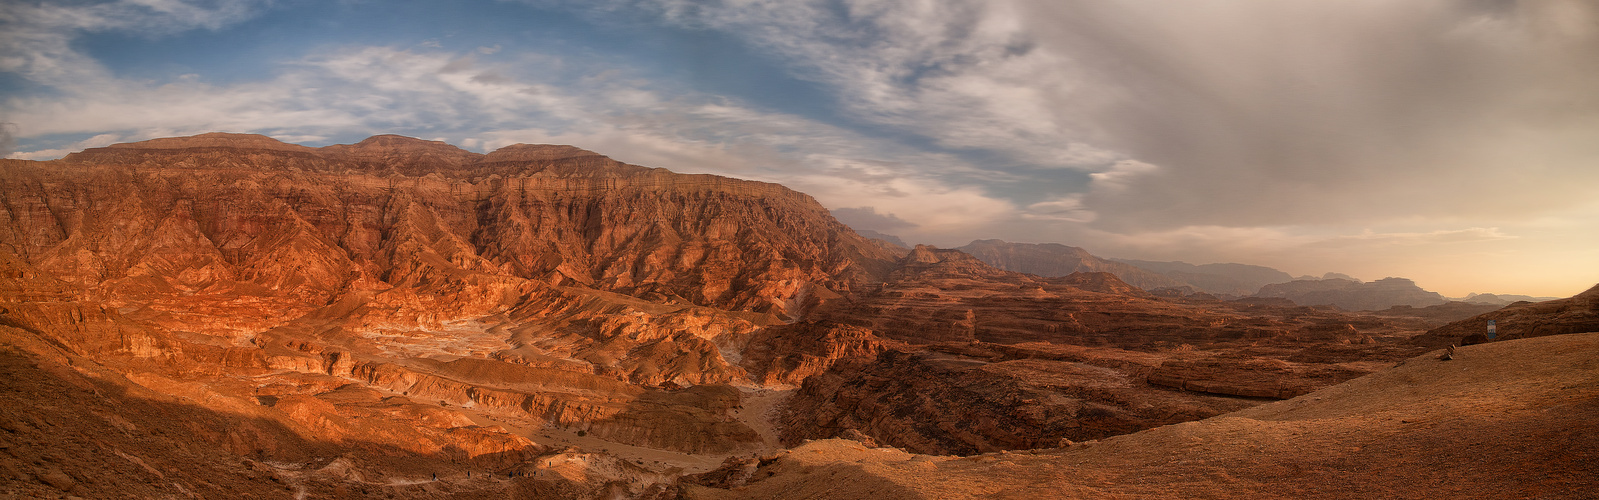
(397, 283)
(242, 210)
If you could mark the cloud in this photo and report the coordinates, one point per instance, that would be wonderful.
(867, 218)
(1303, 112)
(1066, 208)
(1369, 238)
(97, 141)
(8, 138)
(35, 41)
(1296, 112)
(1120, 175)
(963, 74)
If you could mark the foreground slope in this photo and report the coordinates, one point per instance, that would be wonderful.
(1517, 419)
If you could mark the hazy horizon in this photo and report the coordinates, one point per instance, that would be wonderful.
(1450, 142)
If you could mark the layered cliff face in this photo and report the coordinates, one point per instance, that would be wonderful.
(409, 294)
(405, 212)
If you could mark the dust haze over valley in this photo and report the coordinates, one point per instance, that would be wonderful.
(858, 249)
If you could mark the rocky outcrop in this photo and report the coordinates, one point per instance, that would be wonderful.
(789, 354)
(539, 283)
(1354, 295)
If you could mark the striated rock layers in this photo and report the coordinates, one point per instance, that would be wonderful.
(234, 210)
(406, 292)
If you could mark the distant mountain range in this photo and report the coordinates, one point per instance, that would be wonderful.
(1053, 259)
(1228, 279)
(1224, 280)
(1502, 299)
(1354, 295)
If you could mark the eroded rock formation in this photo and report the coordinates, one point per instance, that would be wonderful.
(410, 294)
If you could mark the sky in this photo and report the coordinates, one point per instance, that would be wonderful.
(1455, 143)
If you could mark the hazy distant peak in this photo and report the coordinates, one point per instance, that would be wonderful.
(1002, 244)
(885, 237)
(400, 142)
(390, 149)
(215, 140)
(539, 152)
(925, 254)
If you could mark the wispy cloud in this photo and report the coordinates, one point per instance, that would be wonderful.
(97, 141)
(36, 40)
(1369, 238)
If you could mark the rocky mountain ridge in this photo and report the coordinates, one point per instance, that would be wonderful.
(346, 291)
(1054, 259)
